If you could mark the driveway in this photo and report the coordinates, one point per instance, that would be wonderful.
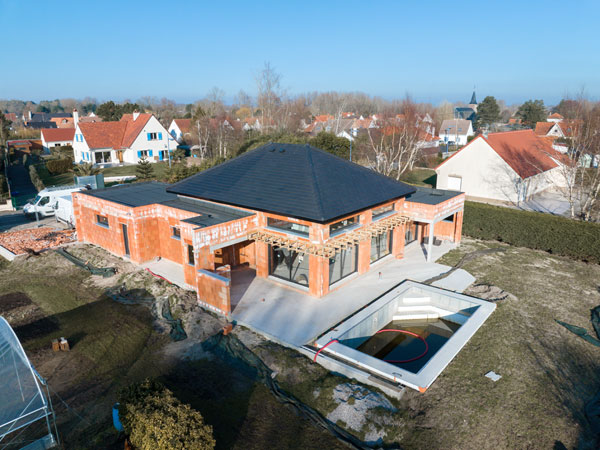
(15, 220)
(550, 202)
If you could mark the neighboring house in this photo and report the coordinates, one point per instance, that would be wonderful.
(515, 121)
(456, 130)
(467, 112)
(57, 137)
(549, 129)
(43, 120)
(10, 116)
(294, 216)
(556, 117)
(126, 141)
(505, 167)
(179, 128)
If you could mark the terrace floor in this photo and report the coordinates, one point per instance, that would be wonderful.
(296, 318)
(173, 272)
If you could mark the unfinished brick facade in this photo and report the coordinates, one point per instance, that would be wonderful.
(151, 233)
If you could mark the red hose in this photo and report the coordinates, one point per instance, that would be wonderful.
(158, 276)
(410, 333)
(323, 348)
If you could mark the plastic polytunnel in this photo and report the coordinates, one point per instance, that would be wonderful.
(22, 400)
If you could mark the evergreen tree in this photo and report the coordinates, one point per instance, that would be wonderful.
(532, 111)
(144, 169)
(488, 112)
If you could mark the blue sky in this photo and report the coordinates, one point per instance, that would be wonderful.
(514, 50)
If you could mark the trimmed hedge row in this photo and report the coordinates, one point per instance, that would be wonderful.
(35, 178)
(539, 231)
(58, 166)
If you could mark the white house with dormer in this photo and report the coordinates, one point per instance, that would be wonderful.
(135, 136)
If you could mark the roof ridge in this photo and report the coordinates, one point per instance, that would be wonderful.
(316, 182)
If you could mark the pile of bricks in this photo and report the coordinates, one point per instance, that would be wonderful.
(36, 239)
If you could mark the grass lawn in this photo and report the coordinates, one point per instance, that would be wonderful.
(547, 372)
(160, 169)
(420, 177)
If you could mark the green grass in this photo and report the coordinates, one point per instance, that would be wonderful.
(420, 177)
(160, 169)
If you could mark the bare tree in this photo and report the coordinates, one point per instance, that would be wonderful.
(268, 83)
(394, 145)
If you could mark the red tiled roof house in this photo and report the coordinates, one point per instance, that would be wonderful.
(135, 136)
(505, 167)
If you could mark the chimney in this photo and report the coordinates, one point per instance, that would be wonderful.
(136, 114)
(29, 113)
(75, 117)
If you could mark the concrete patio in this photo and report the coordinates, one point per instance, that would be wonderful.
(295, 318)
(173, 272)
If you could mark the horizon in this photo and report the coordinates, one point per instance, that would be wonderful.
(121, 57)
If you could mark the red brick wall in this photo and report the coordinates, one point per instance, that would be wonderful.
(214, 291)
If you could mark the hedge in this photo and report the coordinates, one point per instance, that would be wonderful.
(540, 231)
(35, 178)
(58, 166)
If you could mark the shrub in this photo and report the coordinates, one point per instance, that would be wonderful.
(144, 169)
(539, 231)
(155, 420)
(64, 151)
(57, 166)
(35, 178)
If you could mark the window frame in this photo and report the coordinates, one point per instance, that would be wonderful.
(356, 250)
(102, 223)
(387, 212)
(191, 257)
(271, 226)
(345, 228)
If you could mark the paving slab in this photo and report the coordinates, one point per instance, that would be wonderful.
(297, 318)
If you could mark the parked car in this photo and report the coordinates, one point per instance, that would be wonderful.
(45, 202)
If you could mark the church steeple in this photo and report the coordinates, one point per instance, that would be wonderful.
(473, 99)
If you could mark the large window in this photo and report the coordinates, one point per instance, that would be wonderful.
(288, 227)
(343, 264)
(288, 265)
(102, 157)
(412, 233)
(343, 225)
(381, 245)
(382, 211)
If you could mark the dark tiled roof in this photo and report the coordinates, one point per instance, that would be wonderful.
(465, 113)
(40, 125)
(135, 194)
(142, 194)
(45, 117)
(431, 196)
(293, 180)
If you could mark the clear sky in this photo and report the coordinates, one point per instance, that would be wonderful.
(436, 50)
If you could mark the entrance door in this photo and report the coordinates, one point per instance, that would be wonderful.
(120, 155)
(125, 238)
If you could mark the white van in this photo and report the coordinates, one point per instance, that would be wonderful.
(46, 200)
(64, 210)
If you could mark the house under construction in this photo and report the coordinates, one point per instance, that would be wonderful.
(294, 214)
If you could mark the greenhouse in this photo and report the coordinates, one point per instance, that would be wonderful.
(23, 401)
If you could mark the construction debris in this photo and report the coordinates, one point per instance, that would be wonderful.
(104, 271)
(34, 240)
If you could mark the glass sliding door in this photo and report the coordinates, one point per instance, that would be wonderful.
(288, 265)
(381, 246)
(344, 263)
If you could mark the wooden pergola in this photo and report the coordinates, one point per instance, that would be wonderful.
(331, 247)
